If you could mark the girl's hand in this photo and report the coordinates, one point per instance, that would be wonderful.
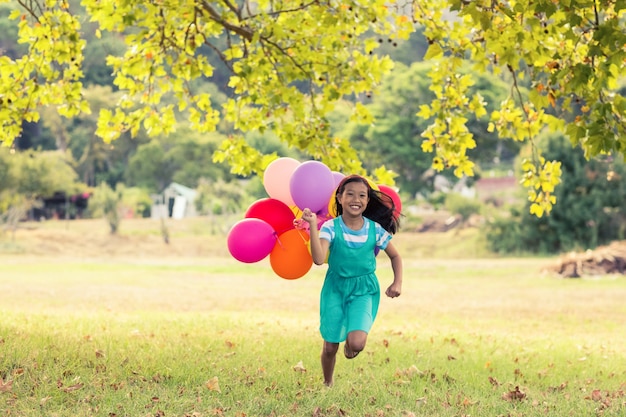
(309, 217)
(393, 291)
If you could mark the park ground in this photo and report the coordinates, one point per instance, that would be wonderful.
(472, 334)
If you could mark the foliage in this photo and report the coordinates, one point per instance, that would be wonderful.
(592, 210)
(37, 174)
(136, 201)
(571, 56)
(292, 63)
(106, 202)
(395, 140)
(183, 157)
(27, 177)
(220, 197)
(456, 203)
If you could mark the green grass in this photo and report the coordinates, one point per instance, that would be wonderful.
(208, 336)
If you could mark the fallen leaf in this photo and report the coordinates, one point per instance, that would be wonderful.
(596, 395)
(6, 386)
(18, 371)
(44, 400)
(229, 344)
(213, 384)
(72, 388)
(99, 353)
(514, 395)
(299, 367)
(451, 358)
(386, 343)
(493, 381)
(467, 402)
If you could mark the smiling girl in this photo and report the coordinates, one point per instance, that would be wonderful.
(350, 295)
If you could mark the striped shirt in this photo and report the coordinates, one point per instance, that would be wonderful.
(355, 238)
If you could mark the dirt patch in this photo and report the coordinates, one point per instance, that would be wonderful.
(604, 260)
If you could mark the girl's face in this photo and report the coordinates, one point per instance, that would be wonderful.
(354, 198)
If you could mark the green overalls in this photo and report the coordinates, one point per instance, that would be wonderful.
(351, 293)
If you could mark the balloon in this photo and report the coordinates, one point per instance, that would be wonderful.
(311, 185)
(338, 176)
(394, 196)
(274, 212)
(290, 258)
(251, 240)
(331, 207)
(276, 179)
(322, 217)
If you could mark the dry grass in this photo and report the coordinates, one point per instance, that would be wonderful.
(166, 319)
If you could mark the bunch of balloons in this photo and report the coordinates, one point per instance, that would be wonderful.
(267, 228)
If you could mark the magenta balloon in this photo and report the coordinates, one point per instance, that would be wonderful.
(276, 179)
(311, 185)
(251, 240)
(276, 213)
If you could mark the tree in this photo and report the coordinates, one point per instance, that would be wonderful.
(571, 56)
(26, 177)
(395, 139)
(291, 62)
(591, 211)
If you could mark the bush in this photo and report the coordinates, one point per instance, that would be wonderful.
(455, 203)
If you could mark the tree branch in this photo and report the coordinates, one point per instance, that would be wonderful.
(244, 32)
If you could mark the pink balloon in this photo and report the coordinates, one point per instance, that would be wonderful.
(276, 179)
(251, 240)
(311, 185)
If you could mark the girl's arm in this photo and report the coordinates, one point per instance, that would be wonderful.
(319, 247)
(395, 289)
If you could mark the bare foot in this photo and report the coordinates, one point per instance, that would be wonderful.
(349, 353)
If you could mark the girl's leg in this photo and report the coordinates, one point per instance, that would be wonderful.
(355, 343)
(329, 356)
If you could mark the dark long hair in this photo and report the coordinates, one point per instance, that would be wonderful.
(380, 207)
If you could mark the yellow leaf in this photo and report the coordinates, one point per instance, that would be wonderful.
(536, 209)
(299, 367)
(213, 384)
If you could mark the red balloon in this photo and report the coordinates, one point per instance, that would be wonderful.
(276, 213)
(290, 258)
(394, 196)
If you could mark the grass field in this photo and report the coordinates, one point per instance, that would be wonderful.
(97, 325)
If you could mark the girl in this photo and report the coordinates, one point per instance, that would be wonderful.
(350, 295)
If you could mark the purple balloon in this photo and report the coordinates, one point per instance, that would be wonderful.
(338, 176)
(251, 240)
(311, 185)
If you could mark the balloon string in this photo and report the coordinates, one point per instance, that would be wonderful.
(302, 237)
(278, 240)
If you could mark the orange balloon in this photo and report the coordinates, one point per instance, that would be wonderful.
(290, 258)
